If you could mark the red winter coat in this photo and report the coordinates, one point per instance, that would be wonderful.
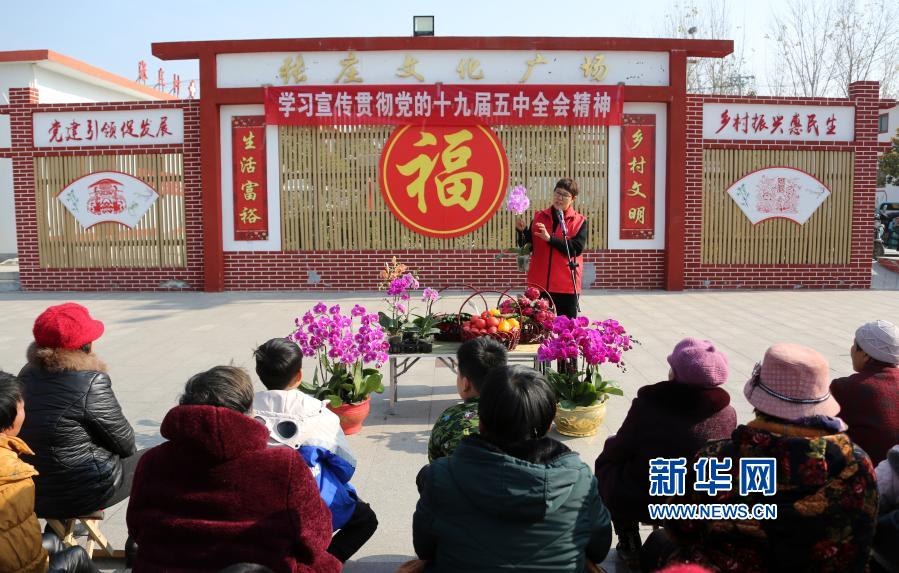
(549, 263)
(869, 404)
(215, 494)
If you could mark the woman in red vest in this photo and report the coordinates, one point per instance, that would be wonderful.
(549, 258)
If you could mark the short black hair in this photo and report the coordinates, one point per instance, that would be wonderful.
(516, 404)
(568, 184)
(477, 357)
(223, 386)
(277, 363)
(10, 396)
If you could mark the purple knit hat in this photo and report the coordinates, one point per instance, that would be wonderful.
(697, 362)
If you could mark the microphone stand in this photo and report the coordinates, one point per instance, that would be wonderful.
(572, 264)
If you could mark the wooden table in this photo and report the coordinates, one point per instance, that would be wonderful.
(445, 353)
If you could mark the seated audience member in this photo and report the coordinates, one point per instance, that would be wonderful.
(511, 497)
(83, 446)
(885, 552)
(22, 547)
(825, 489)
(305, 424)
(868, 399)
(475, 358)
(671, 419)
(215, 494)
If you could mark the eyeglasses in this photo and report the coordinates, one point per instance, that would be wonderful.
(562, 194)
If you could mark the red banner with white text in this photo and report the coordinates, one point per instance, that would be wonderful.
(444, 105)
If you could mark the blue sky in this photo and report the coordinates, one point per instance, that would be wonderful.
(115, 35)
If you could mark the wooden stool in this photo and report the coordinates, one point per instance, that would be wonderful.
(65, 529)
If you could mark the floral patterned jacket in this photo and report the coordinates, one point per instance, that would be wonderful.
(826, 500)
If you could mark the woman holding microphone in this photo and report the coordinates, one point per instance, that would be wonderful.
(558, 235)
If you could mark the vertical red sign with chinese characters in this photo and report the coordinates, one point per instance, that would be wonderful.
(250, 194)
(638, 177)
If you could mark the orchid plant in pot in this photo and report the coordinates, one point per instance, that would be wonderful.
(579, 347)
(342, 349)
(425, 325)
(518, 203)
(405, 333)
(398, 305)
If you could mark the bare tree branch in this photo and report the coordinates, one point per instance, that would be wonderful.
(710, 20)
(825, 45)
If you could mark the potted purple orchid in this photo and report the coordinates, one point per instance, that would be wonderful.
(406, 334)
(518, 203)
(424, 326)
(342, 348)
(580, 347)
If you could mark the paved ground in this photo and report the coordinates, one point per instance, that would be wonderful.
(154, 342)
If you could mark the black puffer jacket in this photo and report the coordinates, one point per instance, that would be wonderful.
(76, 428)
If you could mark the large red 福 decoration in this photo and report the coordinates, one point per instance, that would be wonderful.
(637, 177)
(443, 181)
(250, 191)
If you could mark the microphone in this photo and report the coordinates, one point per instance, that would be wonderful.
(561, 217)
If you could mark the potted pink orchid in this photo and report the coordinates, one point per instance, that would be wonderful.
(580, 347)
(406, 334)
(342, 348)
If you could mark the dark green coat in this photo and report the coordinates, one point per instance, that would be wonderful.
(483, 510)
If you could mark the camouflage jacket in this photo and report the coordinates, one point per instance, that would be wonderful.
(454, 423)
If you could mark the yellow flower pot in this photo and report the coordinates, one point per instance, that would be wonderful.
(580, 422)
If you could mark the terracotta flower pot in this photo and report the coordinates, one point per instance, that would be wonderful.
(580, 422)
(352, 415)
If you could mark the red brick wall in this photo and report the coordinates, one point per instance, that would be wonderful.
(23, 102)
(857, 273)
(358, 270)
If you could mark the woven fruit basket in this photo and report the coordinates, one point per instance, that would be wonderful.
(508, 338)
(527, 307)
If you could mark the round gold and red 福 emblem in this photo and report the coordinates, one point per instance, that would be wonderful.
(443, 181)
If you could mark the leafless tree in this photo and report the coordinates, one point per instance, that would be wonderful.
(824, 45)
(867, 46)
(711, 20)
(804, 37)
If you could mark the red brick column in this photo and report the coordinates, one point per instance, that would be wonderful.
(21, 102)
(866, 97)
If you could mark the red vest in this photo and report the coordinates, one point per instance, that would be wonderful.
(549, 266)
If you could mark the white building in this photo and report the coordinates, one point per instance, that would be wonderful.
(887, 125)
(59, 79)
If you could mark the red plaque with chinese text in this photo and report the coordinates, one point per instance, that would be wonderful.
(250, 194)
(637, 177)
(443, 181)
